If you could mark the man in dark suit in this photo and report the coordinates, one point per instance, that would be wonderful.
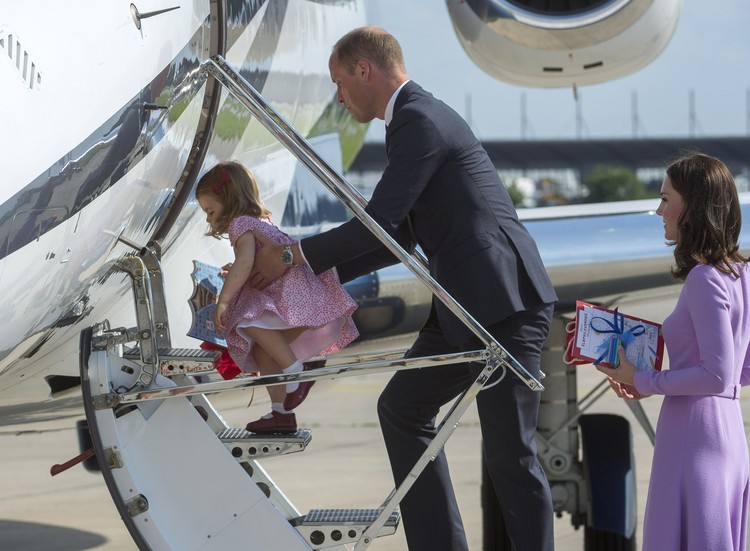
(441, 191)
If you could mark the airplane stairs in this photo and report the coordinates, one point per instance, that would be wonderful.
(178, 475)
(182, 479)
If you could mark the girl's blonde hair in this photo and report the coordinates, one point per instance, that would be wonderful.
(236, 189)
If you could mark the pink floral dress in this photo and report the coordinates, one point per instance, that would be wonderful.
(297, 299)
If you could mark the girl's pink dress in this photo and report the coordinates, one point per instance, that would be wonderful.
(297, 299)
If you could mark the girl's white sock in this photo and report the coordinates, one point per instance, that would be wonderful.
(275, 406)
(296, 367)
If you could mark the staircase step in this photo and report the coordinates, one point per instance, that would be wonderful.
(246, 445)
(331, 527)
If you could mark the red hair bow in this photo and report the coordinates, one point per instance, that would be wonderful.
(218, 187)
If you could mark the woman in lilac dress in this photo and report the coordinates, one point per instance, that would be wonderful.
(698, 494)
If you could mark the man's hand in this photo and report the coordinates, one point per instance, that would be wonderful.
(268, 266)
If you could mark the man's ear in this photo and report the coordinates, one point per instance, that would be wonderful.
(363, 69)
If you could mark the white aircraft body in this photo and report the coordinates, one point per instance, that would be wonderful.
(109, 115)
(106, 128)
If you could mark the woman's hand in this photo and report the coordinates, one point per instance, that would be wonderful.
(623, 373)
(626, 392)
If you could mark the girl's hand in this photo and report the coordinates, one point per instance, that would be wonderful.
(626, 392)
(220, 317)
(225, 270)
(624, 373)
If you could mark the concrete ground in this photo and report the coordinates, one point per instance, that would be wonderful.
(345, 465)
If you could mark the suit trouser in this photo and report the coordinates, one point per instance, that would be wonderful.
(408, 408)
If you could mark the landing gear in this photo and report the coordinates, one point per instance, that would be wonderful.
(597, 540)
(608, 482)
(588, 459)
(609, 469)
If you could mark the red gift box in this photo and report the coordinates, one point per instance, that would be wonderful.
(593, 336)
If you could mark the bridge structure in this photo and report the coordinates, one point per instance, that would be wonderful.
(584, 155)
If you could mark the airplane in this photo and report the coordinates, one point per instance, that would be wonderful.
(109, 123)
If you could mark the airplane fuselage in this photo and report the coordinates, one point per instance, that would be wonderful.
(106, 129)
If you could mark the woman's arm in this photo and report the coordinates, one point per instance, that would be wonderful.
(709, 308)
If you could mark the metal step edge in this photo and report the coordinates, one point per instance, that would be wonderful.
(345, 517)
(230, 435)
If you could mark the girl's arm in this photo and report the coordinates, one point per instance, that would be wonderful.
(244, 253)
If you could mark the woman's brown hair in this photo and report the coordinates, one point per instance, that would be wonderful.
(236, 189)
(711, 220)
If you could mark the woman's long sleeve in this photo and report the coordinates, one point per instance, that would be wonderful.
(703, 358)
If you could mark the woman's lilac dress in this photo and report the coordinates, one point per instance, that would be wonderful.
(698, 493)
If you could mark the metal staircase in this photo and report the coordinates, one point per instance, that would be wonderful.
(145, 405)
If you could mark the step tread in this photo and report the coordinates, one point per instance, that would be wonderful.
(347, 516)
(235, 435)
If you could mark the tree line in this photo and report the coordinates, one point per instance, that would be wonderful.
(603, 184)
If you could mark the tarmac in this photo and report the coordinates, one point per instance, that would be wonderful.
(345, 466)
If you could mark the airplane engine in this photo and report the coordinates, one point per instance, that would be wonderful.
(389, 302)
(558, 43)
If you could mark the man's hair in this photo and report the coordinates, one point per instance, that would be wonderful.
(372, 43)
(710, 222)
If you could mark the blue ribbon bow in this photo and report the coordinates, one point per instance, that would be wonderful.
(619, 335)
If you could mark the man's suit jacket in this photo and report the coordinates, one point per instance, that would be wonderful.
(441, 191)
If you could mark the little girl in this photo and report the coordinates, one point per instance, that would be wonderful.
(273, 330)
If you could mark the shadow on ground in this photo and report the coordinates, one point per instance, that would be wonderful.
(18, 535)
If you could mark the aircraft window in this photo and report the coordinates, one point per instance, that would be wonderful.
(592, 65)
(22, 60)
(552, 69)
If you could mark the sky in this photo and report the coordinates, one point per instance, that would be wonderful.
(708, 53)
